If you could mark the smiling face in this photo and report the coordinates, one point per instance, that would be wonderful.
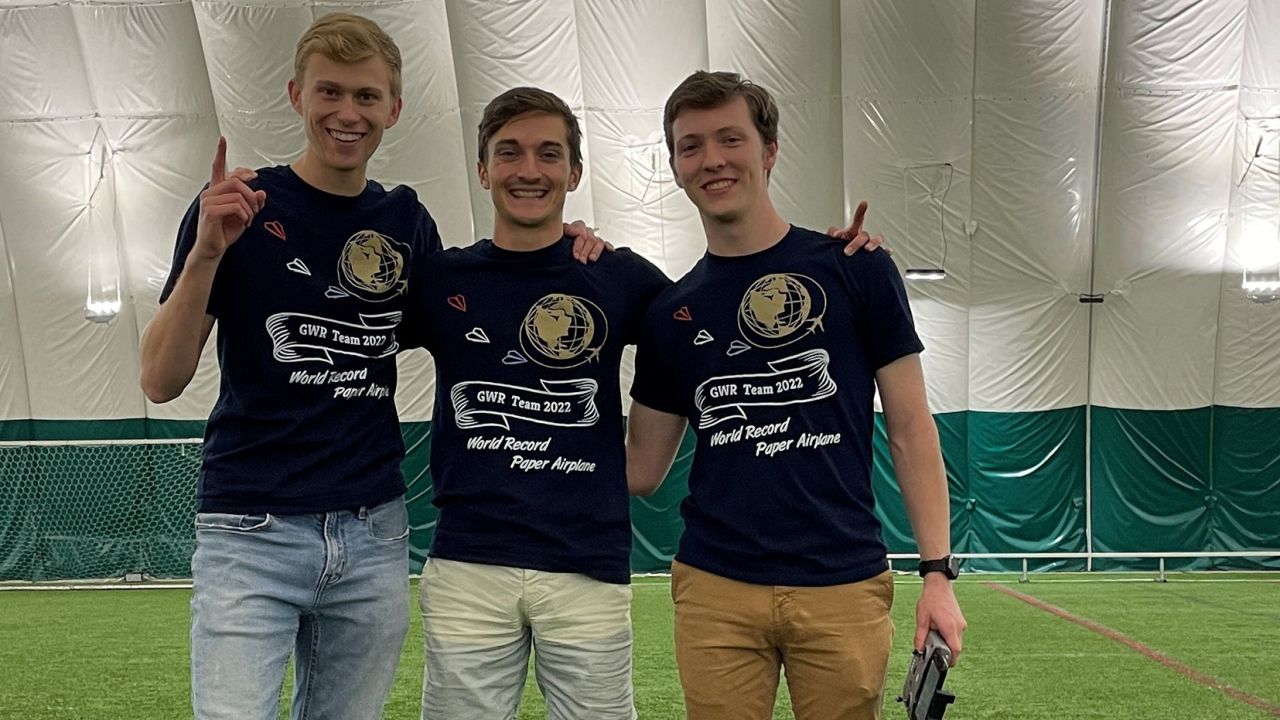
(528, 171)
(345, 107)
(721, 161)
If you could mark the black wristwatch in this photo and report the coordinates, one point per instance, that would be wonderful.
(948, 566)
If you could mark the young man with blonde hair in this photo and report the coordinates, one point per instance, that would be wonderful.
(773, 346)
(301, 526)
(301, 529)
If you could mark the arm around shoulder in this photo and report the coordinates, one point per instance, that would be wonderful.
(653, 437)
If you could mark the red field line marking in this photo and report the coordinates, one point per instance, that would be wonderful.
(1141, 649)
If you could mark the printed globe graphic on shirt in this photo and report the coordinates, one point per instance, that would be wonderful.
(562, 331)
(780, 308)
(371, 266)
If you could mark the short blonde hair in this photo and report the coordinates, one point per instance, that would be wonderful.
(347, 38)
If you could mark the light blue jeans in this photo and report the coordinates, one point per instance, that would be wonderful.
(332, 588)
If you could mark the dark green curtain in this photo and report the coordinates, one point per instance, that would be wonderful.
(1204, 479)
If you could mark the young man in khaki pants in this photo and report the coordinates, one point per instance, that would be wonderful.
(773, 346)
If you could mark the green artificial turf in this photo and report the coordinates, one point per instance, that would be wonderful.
(91, 654)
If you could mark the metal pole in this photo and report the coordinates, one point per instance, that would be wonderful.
(1093, 252)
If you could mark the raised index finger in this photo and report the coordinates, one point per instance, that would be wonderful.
(858, 215)
(219, 163)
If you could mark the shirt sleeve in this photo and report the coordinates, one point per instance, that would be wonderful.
(885, 325)
(654, 384)
(415, 328)
(429, 232)
(182, 248)
(645, 283)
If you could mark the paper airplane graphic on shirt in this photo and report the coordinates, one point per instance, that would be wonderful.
(514, 358)
(333, 293)
(737, 347)
(299, 267)
(275, 228)
(477, 335)
(703, 338)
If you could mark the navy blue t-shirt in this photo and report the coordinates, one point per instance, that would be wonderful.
(527, 447)
(307, 303)
(772, 357)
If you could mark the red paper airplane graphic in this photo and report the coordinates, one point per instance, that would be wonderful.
(275, 228)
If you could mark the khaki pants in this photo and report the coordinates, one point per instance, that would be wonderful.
(732, 637)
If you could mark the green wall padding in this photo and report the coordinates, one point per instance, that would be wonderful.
(72, 430)
(1246, 480)
(1151, 483)
(1027, 478)
(953, 434)
(1170, 480)
(1016, 482)
(1186, 480)
(15, 430)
